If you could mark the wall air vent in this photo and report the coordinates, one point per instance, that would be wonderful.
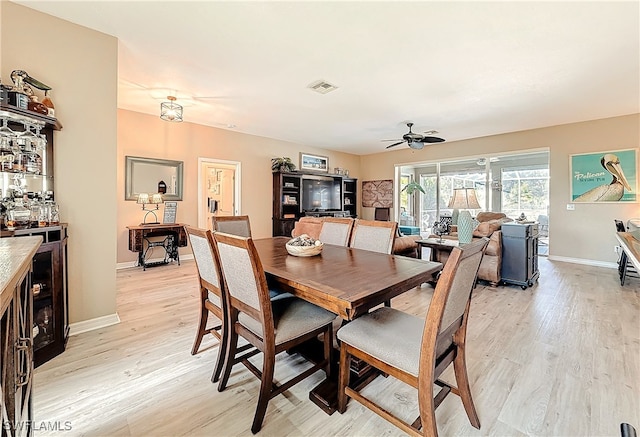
(322, 87)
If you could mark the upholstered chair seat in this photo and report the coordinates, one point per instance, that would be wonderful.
(390, 336)
(292, 318)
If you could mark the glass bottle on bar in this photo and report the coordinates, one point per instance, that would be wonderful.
(46, 101)
(54, 214)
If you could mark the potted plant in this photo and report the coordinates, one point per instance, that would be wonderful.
(412, 187)
(282, 164)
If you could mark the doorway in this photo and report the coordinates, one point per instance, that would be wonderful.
(218, 189)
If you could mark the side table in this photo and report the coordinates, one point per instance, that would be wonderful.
(175, 236)
(437, 247)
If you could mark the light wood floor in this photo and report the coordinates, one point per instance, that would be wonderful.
(559, 359)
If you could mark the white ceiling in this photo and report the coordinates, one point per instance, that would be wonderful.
(465, 69)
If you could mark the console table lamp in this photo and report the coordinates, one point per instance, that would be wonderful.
(464, 199)
(155, 199)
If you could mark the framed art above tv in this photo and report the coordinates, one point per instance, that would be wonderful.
(314, 162)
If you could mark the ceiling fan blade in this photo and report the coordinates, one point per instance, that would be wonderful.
(394, 144)
(431, 140)
(395, 139)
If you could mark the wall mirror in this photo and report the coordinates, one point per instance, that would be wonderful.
(146, 175)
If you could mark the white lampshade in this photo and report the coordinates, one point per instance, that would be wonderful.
(143, 198)
(464, 198)
(156, 198)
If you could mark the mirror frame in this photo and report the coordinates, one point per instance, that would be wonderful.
(130, 162)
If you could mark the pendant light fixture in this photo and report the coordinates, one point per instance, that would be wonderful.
(171, 111)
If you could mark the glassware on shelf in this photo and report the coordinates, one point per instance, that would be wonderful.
(54, 214)
(5, 130)
(19, 216)
(43, 216)
(20, 157)
(33, 162)
(6, 154)
(34, 209)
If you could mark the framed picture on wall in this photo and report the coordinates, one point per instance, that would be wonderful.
(314, 162)
(609, 176)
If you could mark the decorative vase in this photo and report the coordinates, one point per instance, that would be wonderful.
(465, 227)
(454, 217)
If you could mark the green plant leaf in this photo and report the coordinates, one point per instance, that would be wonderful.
(412, 187)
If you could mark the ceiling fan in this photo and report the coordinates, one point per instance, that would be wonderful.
(415, 140)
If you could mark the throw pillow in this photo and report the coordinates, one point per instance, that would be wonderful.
(485, 229)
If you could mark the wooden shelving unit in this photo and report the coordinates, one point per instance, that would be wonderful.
(287, 200)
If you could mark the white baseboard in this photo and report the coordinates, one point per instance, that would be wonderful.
(91, 324)
(586, 262)
(130, 264)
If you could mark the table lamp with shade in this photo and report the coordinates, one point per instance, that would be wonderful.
(153, 199)
(464, 199)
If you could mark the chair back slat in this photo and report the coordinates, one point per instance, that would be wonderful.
(461, 287)
(375, 236)
(232, 224)
(240, 280)
(449, 305)
(246, 282)
(336, 230)
(203, 253)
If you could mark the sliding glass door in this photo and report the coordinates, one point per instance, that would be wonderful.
(513, 184)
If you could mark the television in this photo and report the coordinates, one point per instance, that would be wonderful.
(320, 193)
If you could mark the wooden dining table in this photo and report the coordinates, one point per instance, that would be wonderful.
(346, 281)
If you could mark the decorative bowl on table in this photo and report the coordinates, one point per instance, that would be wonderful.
(304, 245)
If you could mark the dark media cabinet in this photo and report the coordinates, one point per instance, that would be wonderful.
(50, 292)
(335, 197)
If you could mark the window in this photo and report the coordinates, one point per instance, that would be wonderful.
(513, 184)
(525, 191)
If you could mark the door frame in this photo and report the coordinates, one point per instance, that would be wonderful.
(237, 208)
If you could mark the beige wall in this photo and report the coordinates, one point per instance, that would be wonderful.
(587, 233)
(81, 67)
(148, 136)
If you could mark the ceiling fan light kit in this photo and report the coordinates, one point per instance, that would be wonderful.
(171, 111)
(414, 140)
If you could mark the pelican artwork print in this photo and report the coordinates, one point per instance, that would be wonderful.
(604, 177)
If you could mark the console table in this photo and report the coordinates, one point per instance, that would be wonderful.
(174, 236)
(437, 246)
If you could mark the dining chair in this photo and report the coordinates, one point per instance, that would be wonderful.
(336, 230)
(382, 214)
(373, 235)
(211, 296)
(416, 350)
(271, 325)
(232, 224)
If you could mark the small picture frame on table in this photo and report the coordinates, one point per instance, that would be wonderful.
(170, 210)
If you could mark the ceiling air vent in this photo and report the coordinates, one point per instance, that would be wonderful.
(322, 87)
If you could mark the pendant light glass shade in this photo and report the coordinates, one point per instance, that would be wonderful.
(171, 111)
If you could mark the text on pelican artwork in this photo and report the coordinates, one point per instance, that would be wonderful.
(596, 177)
